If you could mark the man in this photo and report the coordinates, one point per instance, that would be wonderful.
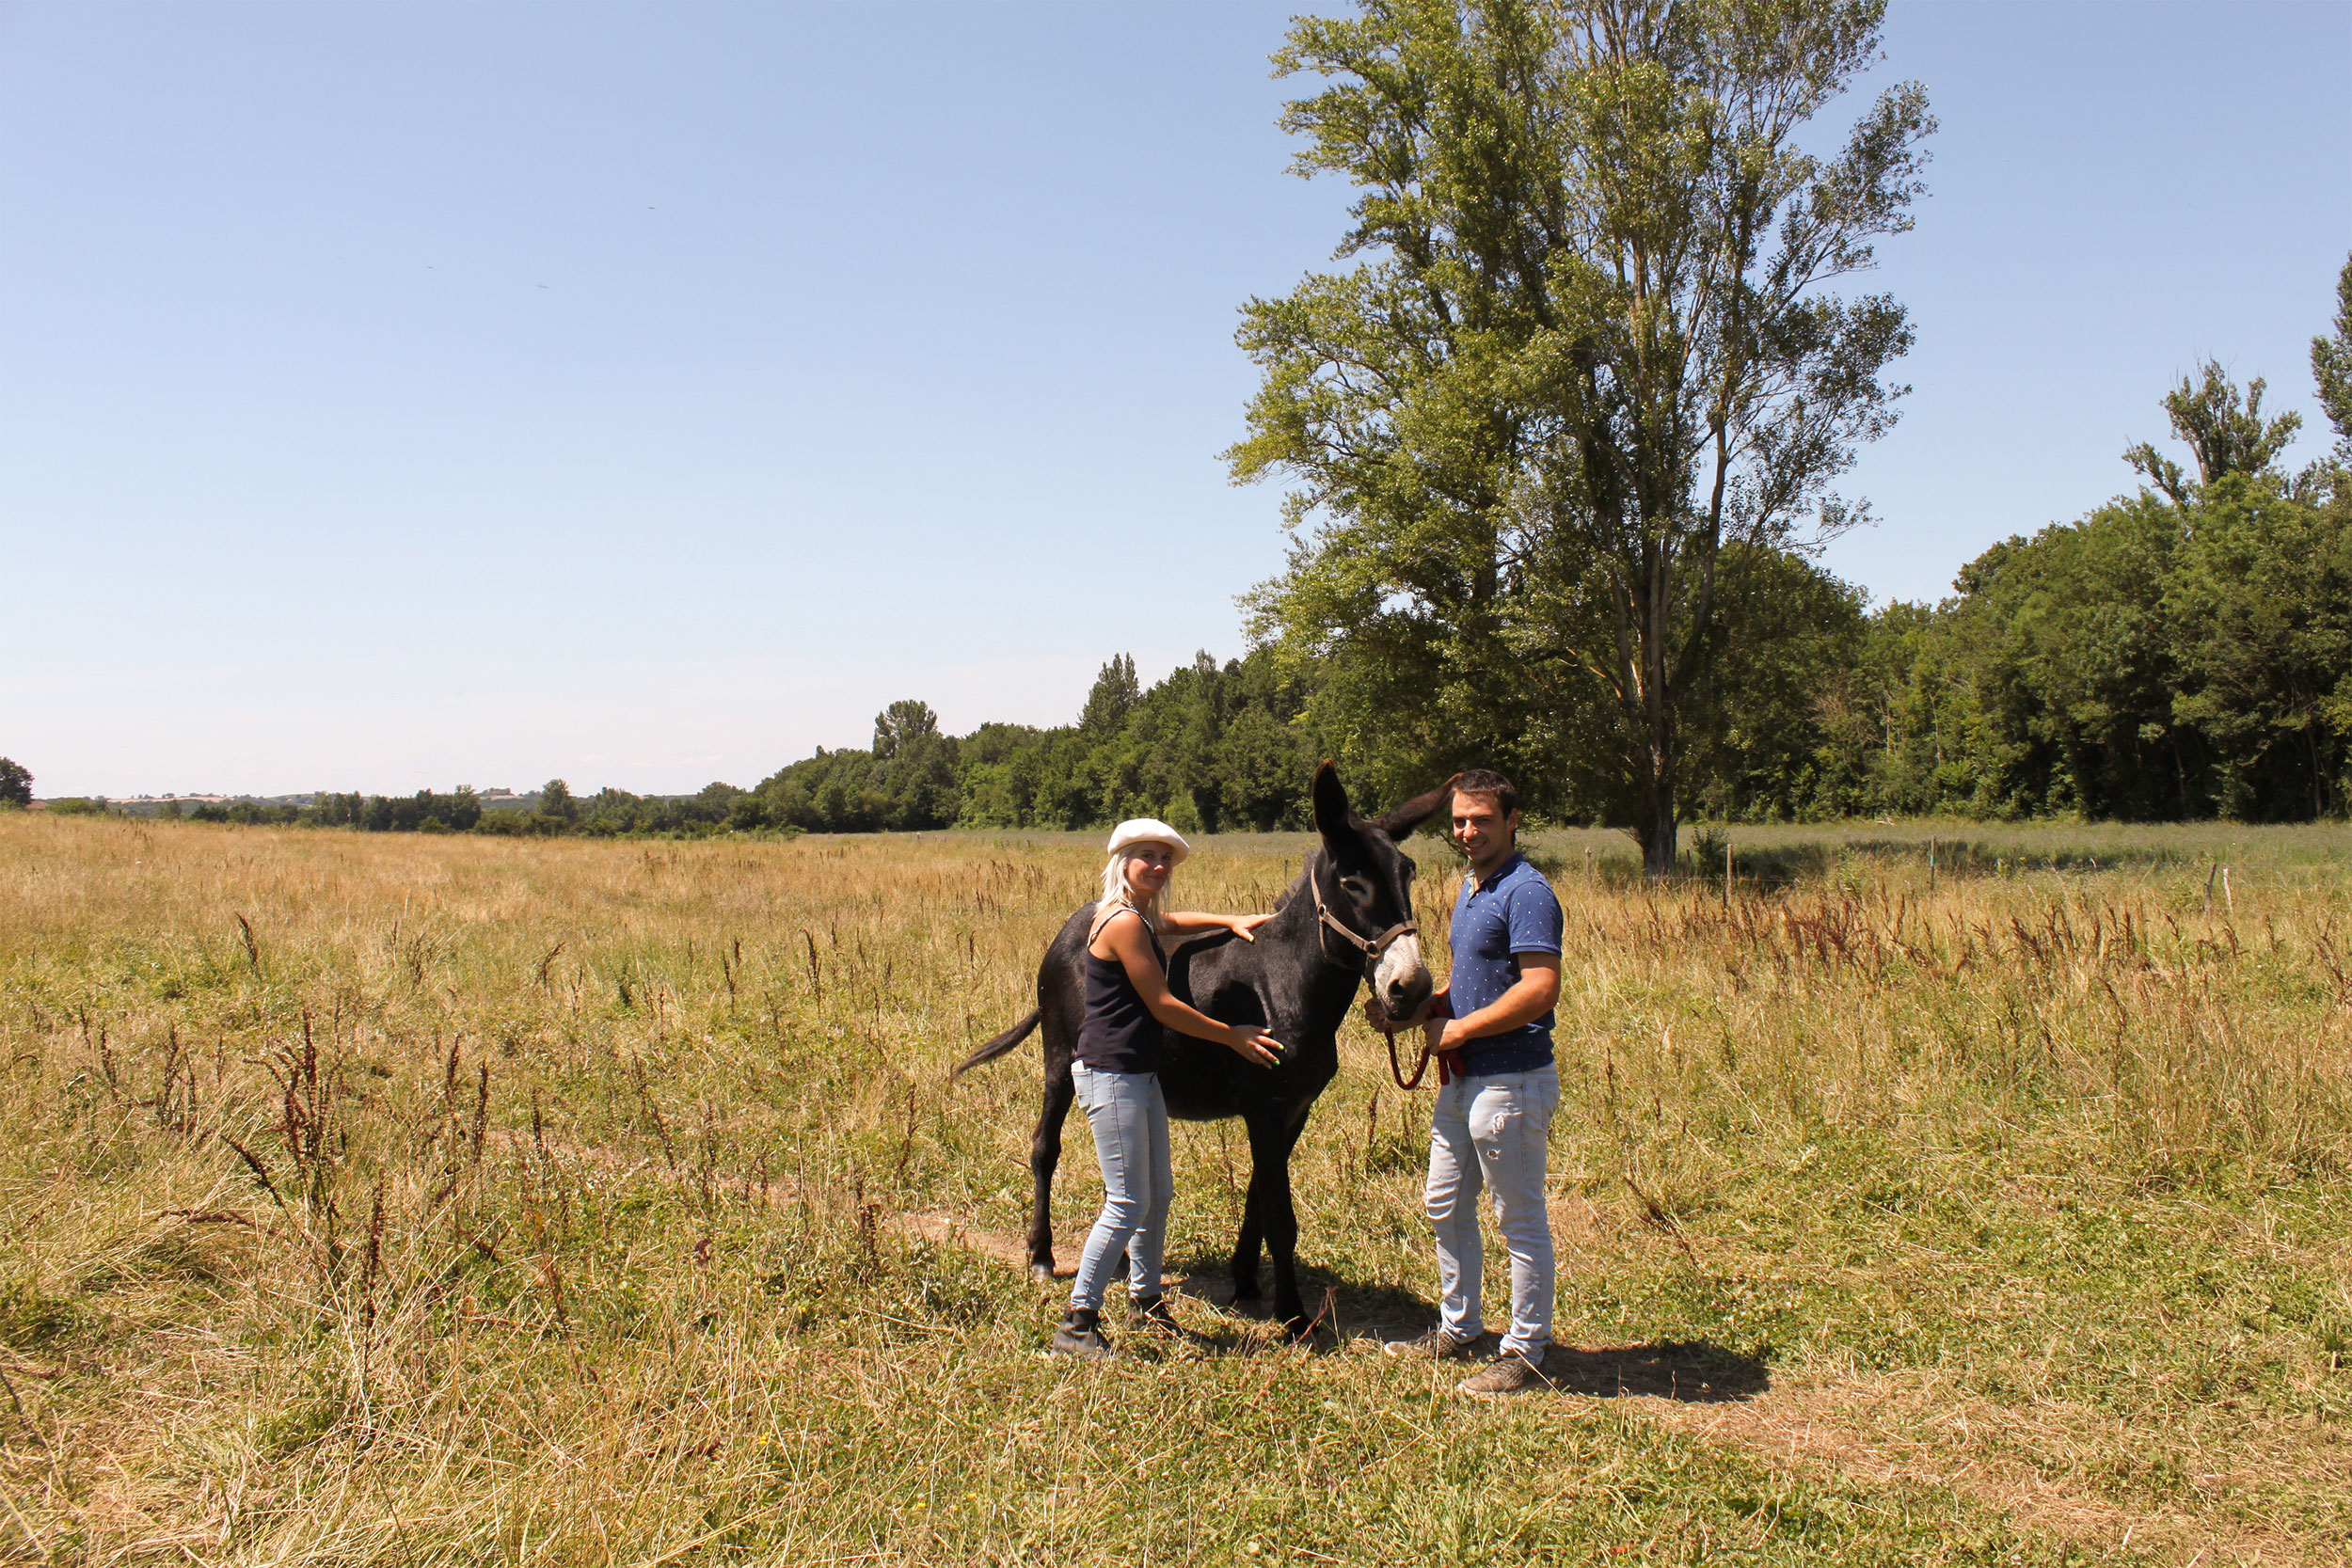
(1492, 1121)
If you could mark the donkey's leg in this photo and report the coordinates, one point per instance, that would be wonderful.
(1245, 1247)
(1045, 1154)
(1270, 1144)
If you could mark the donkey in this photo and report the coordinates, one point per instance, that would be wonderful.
(1347, 918)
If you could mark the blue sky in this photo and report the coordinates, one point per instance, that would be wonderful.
(395, 396)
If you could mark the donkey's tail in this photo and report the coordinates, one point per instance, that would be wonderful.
(1002, 1043)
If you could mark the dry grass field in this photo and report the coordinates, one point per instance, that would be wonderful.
(411, 1200)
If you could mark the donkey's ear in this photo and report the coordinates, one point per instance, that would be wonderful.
(1331, 801)
(1398, 822)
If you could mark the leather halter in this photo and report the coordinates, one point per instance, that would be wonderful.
(1370, 948)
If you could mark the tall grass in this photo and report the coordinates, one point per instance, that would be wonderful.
(378, 1198)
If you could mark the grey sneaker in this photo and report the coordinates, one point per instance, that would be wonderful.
(1507, 1373)
(1436, 1344)
(1080, 1333)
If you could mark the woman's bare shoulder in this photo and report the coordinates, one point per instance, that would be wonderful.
(1106, 925)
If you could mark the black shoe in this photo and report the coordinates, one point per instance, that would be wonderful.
(1080, 1333)
(1153, 1315)
(1438, 1344)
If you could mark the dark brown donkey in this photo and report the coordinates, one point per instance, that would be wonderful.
(1348, 918)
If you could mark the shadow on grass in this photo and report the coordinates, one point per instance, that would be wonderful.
(1687, 1371)
(1343, 1309)
(1358, 1316)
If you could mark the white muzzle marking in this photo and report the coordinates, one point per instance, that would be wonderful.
(1401, 962)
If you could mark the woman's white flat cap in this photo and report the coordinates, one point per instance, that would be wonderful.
(1151, 830)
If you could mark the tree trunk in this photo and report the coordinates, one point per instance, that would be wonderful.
(1655, 781)
(2319, 775)
(1657, 833)
(1649, 706)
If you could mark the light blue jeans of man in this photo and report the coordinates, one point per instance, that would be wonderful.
(1490, 1133)
(1130, 1120)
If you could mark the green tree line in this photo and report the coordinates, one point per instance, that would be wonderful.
(2185, 652)
(1212, 747)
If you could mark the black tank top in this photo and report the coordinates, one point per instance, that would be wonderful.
(1118, 1032)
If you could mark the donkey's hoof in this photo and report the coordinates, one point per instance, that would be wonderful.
(1041, 1274)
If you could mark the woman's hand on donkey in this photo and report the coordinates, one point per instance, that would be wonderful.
(1254, 1045)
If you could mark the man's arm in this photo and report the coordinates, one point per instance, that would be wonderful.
(1530, 997)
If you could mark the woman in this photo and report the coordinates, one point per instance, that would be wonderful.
(1117, 1067)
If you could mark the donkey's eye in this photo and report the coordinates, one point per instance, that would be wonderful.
(1357, 887)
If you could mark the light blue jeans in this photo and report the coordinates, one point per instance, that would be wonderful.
(1130, 1121)
(1490, 1133)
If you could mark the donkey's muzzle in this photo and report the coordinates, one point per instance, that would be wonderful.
(1406, 1001)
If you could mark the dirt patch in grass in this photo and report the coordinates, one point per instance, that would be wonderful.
(1889, 1430)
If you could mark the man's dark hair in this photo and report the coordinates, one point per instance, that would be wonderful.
(1484, 780)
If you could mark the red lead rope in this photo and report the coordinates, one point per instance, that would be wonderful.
(1396, 1069)
(1448, 1062)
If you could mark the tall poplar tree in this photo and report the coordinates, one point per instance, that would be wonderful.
(2331, 368)
(1585, 388)
(2225, 431)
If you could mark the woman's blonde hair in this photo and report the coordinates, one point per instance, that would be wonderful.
(1118, 895)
